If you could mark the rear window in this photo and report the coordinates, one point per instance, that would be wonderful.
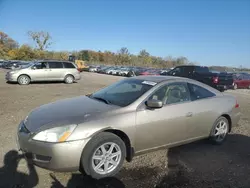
(198, 92)
(69, 65)
(201, 69)
(55, 65)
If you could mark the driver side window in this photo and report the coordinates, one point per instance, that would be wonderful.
(40, 65)
(172, 93)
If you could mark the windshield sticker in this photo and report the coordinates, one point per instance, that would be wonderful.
(149, 83)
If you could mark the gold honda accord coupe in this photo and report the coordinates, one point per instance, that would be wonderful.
(97, 132)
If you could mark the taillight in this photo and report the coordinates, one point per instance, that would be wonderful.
(79, 70)
(215, 80)
(237, 104)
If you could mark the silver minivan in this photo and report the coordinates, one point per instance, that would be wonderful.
(48, 70)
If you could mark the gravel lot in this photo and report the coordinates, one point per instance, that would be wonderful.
(195, 165)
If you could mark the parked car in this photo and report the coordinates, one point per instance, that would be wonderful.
(93, 68)
(45, 71)
(11, 65)
(102, 70)
(242, 81)
(202, 74)
(97, 132)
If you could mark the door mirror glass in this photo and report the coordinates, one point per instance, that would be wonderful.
(152, 103)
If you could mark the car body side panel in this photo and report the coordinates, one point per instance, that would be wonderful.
(204, 113)
(37, 74)
(159, 127)
(124, 122)
(56, 74)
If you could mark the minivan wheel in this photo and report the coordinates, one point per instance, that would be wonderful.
(69, 79)
(220, 130)
(23, 80)
(103, 156)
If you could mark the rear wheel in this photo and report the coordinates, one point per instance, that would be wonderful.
(69, 79)
(23, 80)
(103, 156)
(220, 130)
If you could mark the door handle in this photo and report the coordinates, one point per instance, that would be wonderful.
(189, 114)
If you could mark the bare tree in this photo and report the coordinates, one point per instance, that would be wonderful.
(41, 38)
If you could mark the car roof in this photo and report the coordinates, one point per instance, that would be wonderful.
(58, 61)
(159, 79)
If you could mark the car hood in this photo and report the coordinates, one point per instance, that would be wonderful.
(65, 112)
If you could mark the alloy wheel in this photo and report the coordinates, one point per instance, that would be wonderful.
(23, 80)
(220, 131)
(69, 79)
(106, 158)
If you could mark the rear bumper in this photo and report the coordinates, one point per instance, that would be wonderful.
(77, 76)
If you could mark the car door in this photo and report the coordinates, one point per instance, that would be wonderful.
(248, 81)
(245, 81)
(240, 81)
(56, 71)
(39, 71)
(203, 112)
(166, 125)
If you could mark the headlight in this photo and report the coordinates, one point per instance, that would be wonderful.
(57, 134)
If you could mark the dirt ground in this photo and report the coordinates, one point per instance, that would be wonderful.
(197, 165)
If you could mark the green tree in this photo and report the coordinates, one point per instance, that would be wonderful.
(6, 44)
(42, 39)
(145, 58)
(123, 57)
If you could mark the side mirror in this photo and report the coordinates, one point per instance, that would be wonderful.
(34, 67)
(154, 103)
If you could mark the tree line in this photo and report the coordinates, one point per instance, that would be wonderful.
(11, 50)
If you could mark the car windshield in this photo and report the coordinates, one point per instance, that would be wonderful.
(123, 92)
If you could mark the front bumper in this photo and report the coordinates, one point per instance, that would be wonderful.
(64, 157)
(11, 77)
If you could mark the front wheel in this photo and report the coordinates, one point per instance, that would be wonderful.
(23, 80)
(220, 130)
(103, 156)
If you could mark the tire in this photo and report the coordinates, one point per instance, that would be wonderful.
(94, 147)
(69, 79)
(23, 80)
(235, 86)
(221, 124)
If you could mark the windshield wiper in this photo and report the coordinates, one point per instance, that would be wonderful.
(101, 99)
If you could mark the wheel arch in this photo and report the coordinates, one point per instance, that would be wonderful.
(24, 75)
(229, 120)
(69, 74)
(124, 137)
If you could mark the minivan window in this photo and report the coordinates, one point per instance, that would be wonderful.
(68, 65)
(55, 65)
(40, 65)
